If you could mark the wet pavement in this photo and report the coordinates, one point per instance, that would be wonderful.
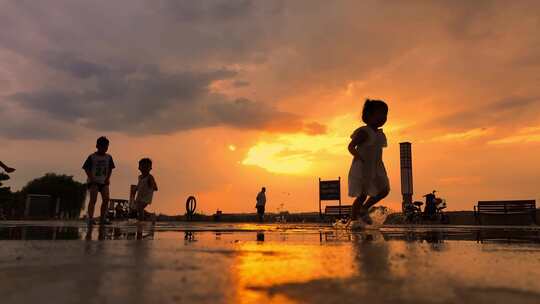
(61, 262)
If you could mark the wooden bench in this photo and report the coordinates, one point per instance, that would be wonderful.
(338, 211)
(505, 208)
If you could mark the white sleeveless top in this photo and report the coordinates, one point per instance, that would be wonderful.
(145, 189)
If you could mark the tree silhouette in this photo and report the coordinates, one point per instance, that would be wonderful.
(72, 193)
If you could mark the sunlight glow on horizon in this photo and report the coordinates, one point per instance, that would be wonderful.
(300, 153)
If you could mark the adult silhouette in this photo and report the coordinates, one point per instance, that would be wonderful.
(261, 204)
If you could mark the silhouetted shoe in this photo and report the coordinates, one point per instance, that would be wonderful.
(367, 219)
(356, 225)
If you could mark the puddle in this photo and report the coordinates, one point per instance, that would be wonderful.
(249, 263)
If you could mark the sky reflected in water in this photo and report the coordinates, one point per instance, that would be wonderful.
(268, 266)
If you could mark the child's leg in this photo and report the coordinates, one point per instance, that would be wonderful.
(140, 211)
(374, 200)
(93, 189)
(105, 202)
(357, 206)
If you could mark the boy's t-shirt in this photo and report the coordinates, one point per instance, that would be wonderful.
(100, 166)
(145, 189)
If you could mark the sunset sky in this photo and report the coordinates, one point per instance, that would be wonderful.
(228, 96)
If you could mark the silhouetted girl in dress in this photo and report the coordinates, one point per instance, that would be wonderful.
(368, 181)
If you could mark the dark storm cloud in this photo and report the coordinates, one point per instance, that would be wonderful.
(246, 114)
(190, 11)
(58, 104)
(34, 130)
(25, 126)
(148, 100)
(105, 70)
(149, 66)
(74, 66)
(134, 92)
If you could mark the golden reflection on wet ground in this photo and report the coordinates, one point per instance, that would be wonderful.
(272, 265)
(281, 263)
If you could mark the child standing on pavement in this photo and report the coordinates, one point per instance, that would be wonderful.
(146, 186)
(98, 167)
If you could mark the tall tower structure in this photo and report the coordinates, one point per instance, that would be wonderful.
(405, 155)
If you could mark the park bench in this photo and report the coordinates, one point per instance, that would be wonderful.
(118, 208)
(505, 208)
(338, 211)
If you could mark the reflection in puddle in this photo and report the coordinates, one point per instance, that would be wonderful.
(74, 233)
(189, 236)
(269, 265)
(134, 232)
(40, 233)
(277, 262)
(427, 268)
(482, 235)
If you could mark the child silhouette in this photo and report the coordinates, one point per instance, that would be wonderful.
(367, 175)
(98, 167)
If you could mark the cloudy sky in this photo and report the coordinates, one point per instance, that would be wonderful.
(229, 95)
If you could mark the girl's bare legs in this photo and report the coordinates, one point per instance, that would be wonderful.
(372, 200)
(357, 206)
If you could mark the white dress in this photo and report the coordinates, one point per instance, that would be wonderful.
(367, 175)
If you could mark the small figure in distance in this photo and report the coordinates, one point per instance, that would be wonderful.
(261, 203)
(6, 168)
(367, 175)
(98, 167)
(146, 186)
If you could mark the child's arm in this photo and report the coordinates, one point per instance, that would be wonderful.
(6, 168)
(87, 167)
(359, 138)
(89, 175)
(154, 184)
(108, 179)
(109, 172)
(132, 194)
(134, 190)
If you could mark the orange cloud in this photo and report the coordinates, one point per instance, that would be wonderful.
(525, 135)
(463, 136)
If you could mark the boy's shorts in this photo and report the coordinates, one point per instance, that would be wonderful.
(132, 214)
(141, 204)
(100, 187)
